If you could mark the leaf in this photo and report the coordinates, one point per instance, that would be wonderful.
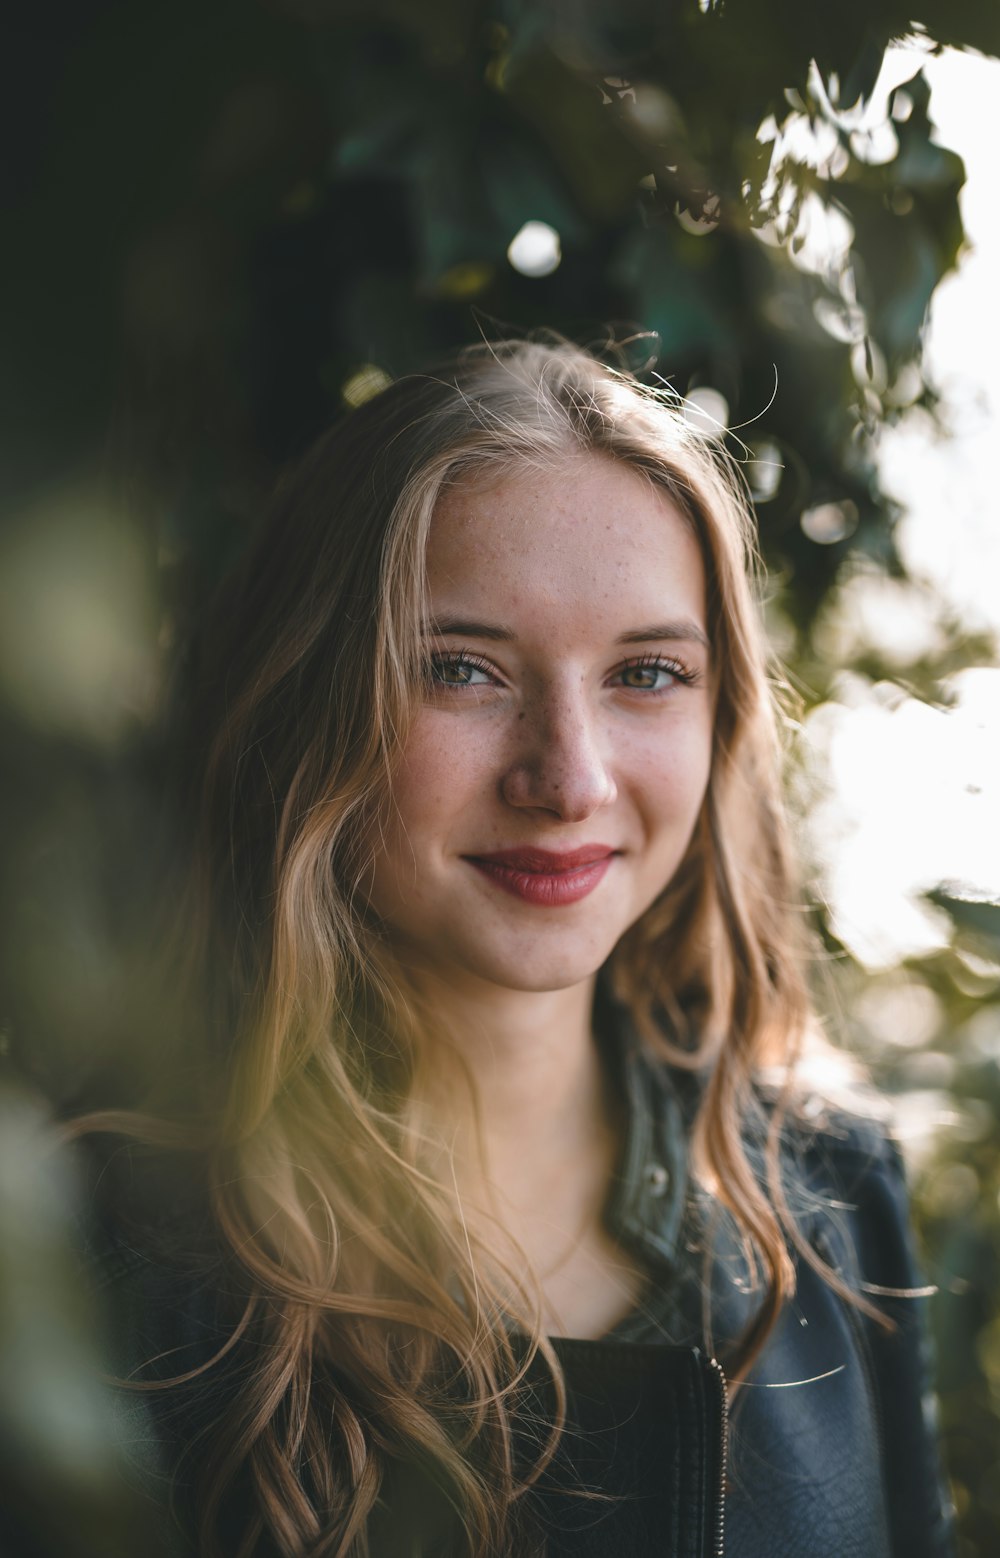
(858, 80)
(978, 915)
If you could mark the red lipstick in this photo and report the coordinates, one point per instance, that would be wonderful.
(546, 877)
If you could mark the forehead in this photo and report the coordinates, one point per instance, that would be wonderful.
(589, 529)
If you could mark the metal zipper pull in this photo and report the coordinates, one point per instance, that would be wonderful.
(718, 1535)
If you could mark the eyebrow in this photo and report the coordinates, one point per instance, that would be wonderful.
(462, 627)
(682, 630)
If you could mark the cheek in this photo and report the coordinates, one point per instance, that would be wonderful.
(671, 777)
(443, 768)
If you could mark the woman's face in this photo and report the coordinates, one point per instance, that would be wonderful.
(556, 766)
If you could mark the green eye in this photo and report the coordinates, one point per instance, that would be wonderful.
(452, 674)
(642, 676)
(458, 671)
(651, 673)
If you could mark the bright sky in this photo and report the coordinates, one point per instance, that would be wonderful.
(913, 793)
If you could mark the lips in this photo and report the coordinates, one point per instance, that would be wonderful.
(546, 877)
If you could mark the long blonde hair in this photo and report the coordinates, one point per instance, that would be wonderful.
(379, 1332)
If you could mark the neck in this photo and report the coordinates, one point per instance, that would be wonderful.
(541, 1102)
(531, 1164)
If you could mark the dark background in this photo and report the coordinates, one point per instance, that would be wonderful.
(227, 223)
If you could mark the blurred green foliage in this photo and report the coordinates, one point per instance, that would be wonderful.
(228, 222)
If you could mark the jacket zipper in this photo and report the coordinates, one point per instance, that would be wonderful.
(718, 1531)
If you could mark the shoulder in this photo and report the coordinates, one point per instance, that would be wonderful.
(150, 1321)
(842, 1178)
(846, 1181)
(145, 1257)
(848, 1174)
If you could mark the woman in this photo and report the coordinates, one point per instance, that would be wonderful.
(498, 957)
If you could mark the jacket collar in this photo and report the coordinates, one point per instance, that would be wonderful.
(645, 1206)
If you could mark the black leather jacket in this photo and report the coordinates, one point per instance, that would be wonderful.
(831, 1444)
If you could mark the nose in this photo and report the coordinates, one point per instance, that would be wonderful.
(561, 762)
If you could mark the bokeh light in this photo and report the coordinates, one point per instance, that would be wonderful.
(535, 249)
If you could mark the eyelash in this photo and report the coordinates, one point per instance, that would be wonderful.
(655, 662)
(458, 657)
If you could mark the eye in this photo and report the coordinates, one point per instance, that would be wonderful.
(653, 673)
(459, 670)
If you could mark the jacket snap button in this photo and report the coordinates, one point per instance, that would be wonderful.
(657, 1178)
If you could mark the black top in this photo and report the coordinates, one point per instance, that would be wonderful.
(638, 1472)
(645, 1430)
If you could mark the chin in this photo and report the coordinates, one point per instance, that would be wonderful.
(540, 974)
(546, 984)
